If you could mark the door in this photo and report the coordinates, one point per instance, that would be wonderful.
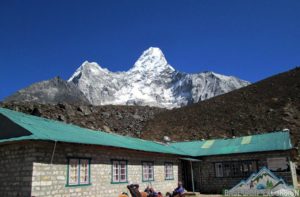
(187, 175)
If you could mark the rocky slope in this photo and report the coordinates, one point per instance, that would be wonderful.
(151, 81)
(124, 120)
(269, 105)
(51, 91)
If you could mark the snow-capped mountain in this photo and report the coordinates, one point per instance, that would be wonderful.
(151, 81)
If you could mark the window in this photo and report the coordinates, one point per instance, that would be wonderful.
(119, 171)
(278, 164)
(219, 169)
(235, 168)
(169, 171)
(148, 171)
(78, 171)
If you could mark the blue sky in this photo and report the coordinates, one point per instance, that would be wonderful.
(248, 39)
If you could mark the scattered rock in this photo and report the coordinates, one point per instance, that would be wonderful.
(106, 128)
(124, 120)
(84, 109)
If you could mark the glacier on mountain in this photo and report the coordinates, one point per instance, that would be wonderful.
(151, 81)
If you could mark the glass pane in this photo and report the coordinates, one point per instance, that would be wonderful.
(278, 164)
(115, 171)
(146, 177)
(227, 170)
(150, 176)
(253, 166)
(123, 171)
(123, 178)
(84, 171)
(116, 164)
(73, 171)
(246, 167)
(170, 171)
(145, 170)
(219, 169)
(123, 164)
(116, 178)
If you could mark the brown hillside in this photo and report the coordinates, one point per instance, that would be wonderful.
(124, 120)
(269, 105)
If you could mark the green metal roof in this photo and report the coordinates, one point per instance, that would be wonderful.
(44, 129)
(254, 143)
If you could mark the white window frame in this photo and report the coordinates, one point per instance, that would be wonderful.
(119, 170)
(169, 171)
(147, 171)
(78, 167)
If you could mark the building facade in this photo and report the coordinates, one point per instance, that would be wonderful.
(214, 174)
(41, 157)
(30, 169)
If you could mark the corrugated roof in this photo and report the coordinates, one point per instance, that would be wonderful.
(255, 143)
(45, 129)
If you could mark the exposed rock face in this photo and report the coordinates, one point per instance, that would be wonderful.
(51, 91)
(151, 81)
(124, 120)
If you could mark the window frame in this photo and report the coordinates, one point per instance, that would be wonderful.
(112, 171)
(221, 174)
(78, 172)
(288, 169)
(169, 163)
(230, 164)
(143, 177)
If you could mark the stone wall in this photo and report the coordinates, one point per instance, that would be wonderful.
(50, 179)
(209, 183)
(16, 169)
(26, 170)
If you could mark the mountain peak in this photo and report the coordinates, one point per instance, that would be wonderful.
(153, 51)
(89, 68)
(152, 59)
(92, 66)
(151, 81)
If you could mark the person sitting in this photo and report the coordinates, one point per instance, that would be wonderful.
(123, 194)
(150, 191)
(178, 191)
(134, 190)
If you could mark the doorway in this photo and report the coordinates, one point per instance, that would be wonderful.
(191, 174)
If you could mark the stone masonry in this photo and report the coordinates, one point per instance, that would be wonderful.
(209, 183)
(28, 170)
(16, 169)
